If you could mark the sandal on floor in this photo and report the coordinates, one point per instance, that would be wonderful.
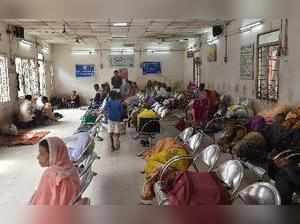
(146, 202)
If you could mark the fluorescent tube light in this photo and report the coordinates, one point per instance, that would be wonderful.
(125, 51)
(212, 40)
(158, 50)
(120, 37)
(45, 50)
(250, 26)
(26, 43)
(83, 52)
(120, 24)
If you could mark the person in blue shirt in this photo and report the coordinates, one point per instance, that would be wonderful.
(114, 110)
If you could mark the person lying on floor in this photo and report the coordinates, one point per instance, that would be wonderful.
(60, 183)
(26, 113)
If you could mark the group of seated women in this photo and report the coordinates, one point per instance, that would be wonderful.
(255, 139)
(262, 138)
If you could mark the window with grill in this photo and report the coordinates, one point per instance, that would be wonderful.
(42, 75)
(268, 66)
(4, 80)
(28, 76)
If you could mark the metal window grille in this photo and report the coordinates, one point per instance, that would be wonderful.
(4, 80)
(268, 67)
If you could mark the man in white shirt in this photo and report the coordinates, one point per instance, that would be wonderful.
(26, 114)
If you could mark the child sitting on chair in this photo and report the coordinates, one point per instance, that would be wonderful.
(60, 183)
(114, 110)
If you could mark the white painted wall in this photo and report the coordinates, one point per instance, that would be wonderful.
(16, 50)
(225, 77)
(65, 81)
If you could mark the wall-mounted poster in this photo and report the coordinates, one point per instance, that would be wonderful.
(122, 60)
(212, 53)
(151, 68)
(247, 62)
(85, 70)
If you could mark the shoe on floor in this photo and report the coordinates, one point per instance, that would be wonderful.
(140, 154)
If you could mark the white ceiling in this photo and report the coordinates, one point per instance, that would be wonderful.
(102, 32)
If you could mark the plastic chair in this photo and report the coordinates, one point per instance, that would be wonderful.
(260, 194)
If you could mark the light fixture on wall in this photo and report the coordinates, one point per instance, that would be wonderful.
(84, 52)
(124, 51)
(251, 26)
(26, 43)
(120, 24)
(45, 50)
(158, 50)
(64, 28)
(119, 37)
(183, 40)
(77, 40)
(212, 40)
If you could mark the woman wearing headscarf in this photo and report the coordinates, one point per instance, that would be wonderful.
(60, 183)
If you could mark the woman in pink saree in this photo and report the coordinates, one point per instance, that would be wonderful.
(60, 183)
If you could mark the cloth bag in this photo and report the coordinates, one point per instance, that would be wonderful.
(193, 189)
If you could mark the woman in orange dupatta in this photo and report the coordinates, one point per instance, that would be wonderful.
(60, 183)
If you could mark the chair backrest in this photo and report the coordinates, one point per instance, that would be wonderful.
(199, 142)
(157, 107)
(209, 156)
(164, 113)
(180, 96)
(160, 110)
(231, 174)
(186, 134)
(260, 194)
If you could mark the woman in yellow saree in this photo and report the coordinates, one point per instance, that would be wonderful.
(164, 150)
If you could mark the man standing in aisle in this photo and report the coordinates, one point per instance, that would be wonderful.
(116, 81)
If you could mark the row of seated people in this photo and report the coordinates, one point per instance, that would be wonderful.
(264, 136)
(72, 101)
(158, 90)
(36, 111)
(254, 139)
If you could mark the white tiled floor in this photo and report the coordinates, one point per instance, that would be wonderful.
(119, 181)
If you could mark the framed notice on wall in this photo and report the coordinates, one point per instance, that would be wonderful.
(84, 70)
(151, 68)
(247, 62)
(122, 60)
(212, 53)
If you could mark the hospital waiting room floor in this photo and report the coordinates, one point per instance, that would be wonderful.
(119, 180)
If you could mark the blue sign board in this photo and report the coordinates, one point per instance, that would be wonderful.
(151, 68)
(85, 70)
